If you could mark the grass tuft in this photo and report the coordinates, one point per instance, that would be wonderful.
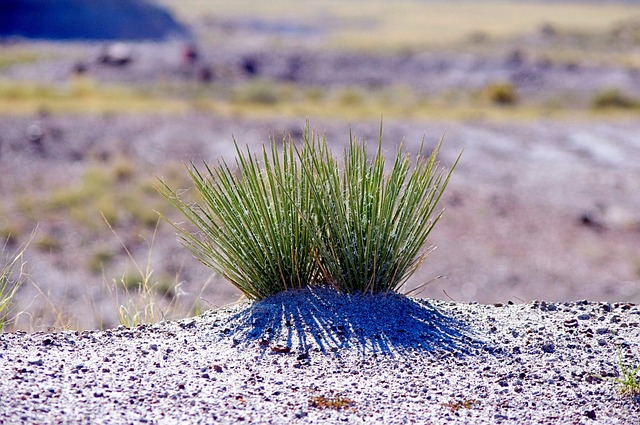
(9, 284)
(301, 217)
(249, 225)
(629, 379)
(372, 226)
(12, 276)
(144, 294)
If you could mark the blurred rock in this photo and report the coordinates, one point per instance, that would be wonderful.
(205, 74)
(79, 68)
(250, 66)
(190, 54)
(117, 54)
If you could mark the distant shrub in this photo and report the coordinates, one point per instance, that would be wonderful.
(501, 93)
(301, 217)
(48, 242)
(99, 259)
(613, 99)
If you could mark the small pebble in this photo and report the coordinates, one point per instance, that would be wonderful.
(35, 362)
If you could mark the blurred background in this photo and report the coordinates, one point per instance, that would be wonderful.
(100, 98)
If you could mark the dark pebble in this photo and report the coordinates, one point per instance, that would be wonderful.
(192, 324)
(548, 348)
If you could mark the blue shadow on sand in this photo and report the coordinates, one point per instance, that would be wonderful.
(322, 319)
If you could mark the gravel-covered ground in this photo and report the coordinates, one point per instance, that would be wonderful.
(318, 357)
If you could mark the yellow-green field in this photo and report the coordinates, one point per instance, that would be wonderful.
(262, 98)
(268, 99)
(412, 23)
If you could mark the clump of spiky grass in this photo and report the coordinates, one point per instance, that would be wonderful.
(302, 217)
(250, 224)
(372, 225)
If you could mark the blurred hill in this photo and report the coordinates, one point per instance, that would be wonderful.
(87, 19)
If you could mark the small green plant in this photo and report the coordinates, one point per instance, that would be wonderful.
(9, 284)
(250, 220)
(297, 219)
(629, 379)
(371, 227)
